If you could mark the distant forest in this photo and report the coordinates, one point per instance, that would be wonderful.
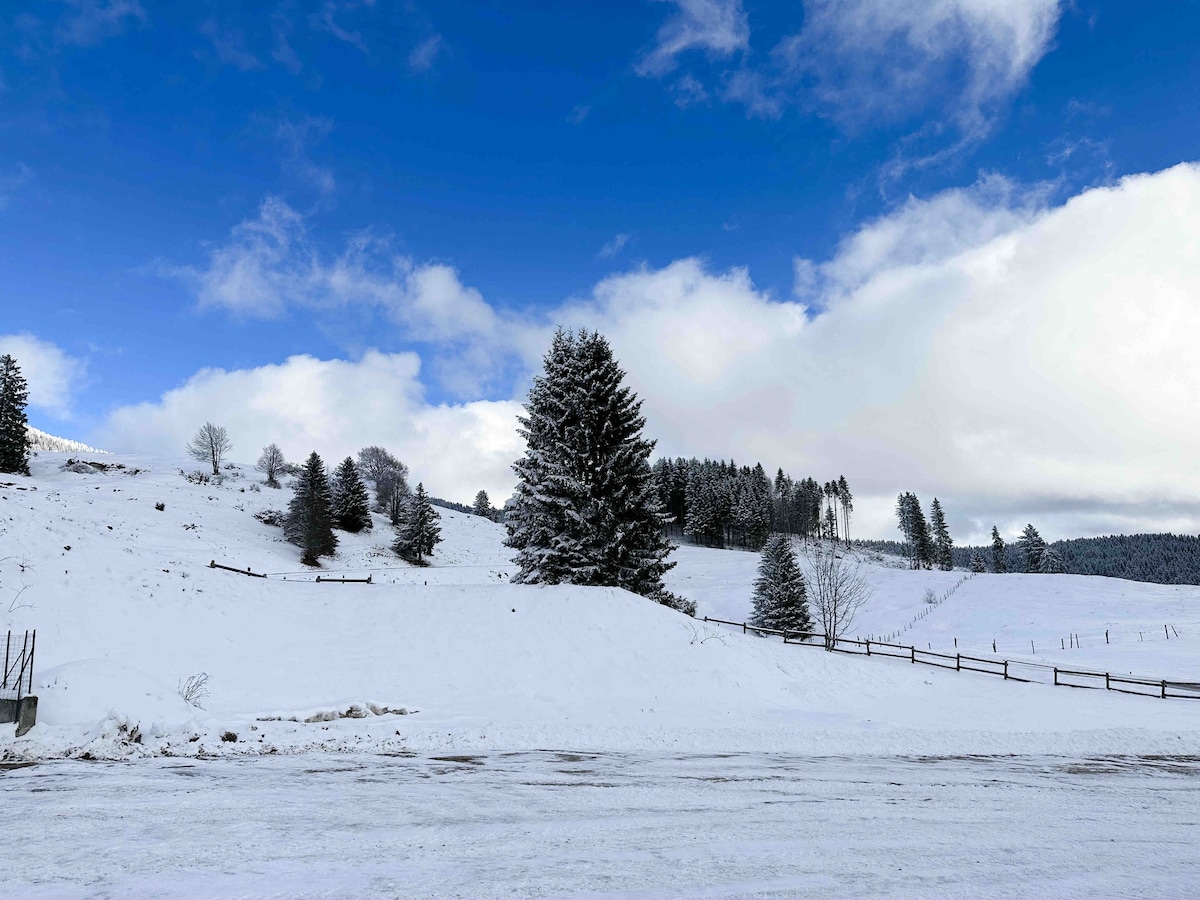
(1157, 558)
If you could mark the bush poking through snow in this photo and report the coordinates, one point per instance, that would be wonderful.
(930, 597)
(229, 737)
(271, 517)
(194, 688)
(160, 506)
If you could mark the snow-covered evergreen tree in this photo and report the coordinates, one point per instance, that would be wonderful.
(978, 566)
(14, 434)
(419, 533)
(1031, 546)
(780, 596)
(999, 562)
(915, 528)
(943, 544)
(309, 522)
(483, 506)
(585, 509)
(1050, 562)
(846, 500)
(351, 504)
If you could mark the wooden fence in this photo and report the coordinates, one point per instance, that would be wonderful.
(1009, 670)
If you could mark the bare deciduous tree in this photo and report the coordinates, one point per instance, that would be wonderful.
(837, 589)
(210, 445)
(271, 464)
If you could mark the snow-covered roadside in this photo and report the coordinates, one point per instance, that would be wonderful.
(650, 824)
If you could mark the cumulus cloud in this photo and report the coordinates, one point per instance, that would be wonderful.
(52, 374)
(1022, 360)
(335, 407)
(719, 27)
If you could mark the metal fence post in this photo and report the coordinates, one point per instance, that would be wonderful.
(32, 648)
(7, 648)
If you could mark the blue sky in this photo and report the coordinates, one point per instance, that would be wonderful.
(180, 184)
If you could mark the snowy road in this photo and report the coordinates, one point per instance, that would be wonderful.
(555, 824)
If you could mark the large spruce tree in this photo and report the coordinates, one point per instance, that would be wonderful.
(943, 544)
(780, 596)
(1031, 545)
(585, 509)
(999, 562)
(14, 427)
(483, 506)
(309, 522)
(351, 504)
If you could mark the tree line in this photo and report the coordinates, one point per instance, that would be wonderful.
(719, 504)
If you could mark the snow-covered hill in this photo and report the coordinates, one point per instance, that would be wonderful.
(42, 442)
(453, 656)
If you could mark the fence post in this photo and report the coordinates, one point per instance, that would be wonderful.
(7, 648)
(1167, 633)
(868, 646)
(957, 662)
(1106, 635)
(743, 628)
(32, 648)
(20, 674)
(914, 654)
(1006, 670)
(1164, 690)
(1056, 676)
(1107, 687)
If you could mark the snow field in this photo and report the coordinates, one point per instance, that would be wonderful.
(476, 664)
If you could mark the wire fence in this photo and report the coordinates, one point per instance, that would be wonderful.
(1008, 669)
(16, 679)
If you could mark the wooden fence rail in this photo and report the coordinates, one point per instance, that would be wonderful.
(958, 662)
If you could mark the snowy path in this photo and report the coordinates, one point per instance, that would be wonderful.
(546, 824)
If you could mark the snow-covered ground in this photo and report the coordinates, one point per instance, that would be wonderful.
(444, 733)
(581, 825)
(453, 658)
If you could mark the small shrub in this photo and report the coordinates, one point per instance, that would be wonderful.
(271, 517)
(194, 688)
(930, 597)
(229, 737)
(160, 506)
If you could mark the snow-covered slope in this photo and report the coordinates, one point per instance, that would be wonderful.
(42, 442)
(126, 607)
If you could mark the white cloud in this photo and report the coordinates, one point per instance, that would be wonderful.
(613, 247)
(51, 373)
(1021, 360)
(92, 21)
(335, 407)
(230, 46)
(887, 59)
(716, 26)
(271, 264)
(425, 53)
